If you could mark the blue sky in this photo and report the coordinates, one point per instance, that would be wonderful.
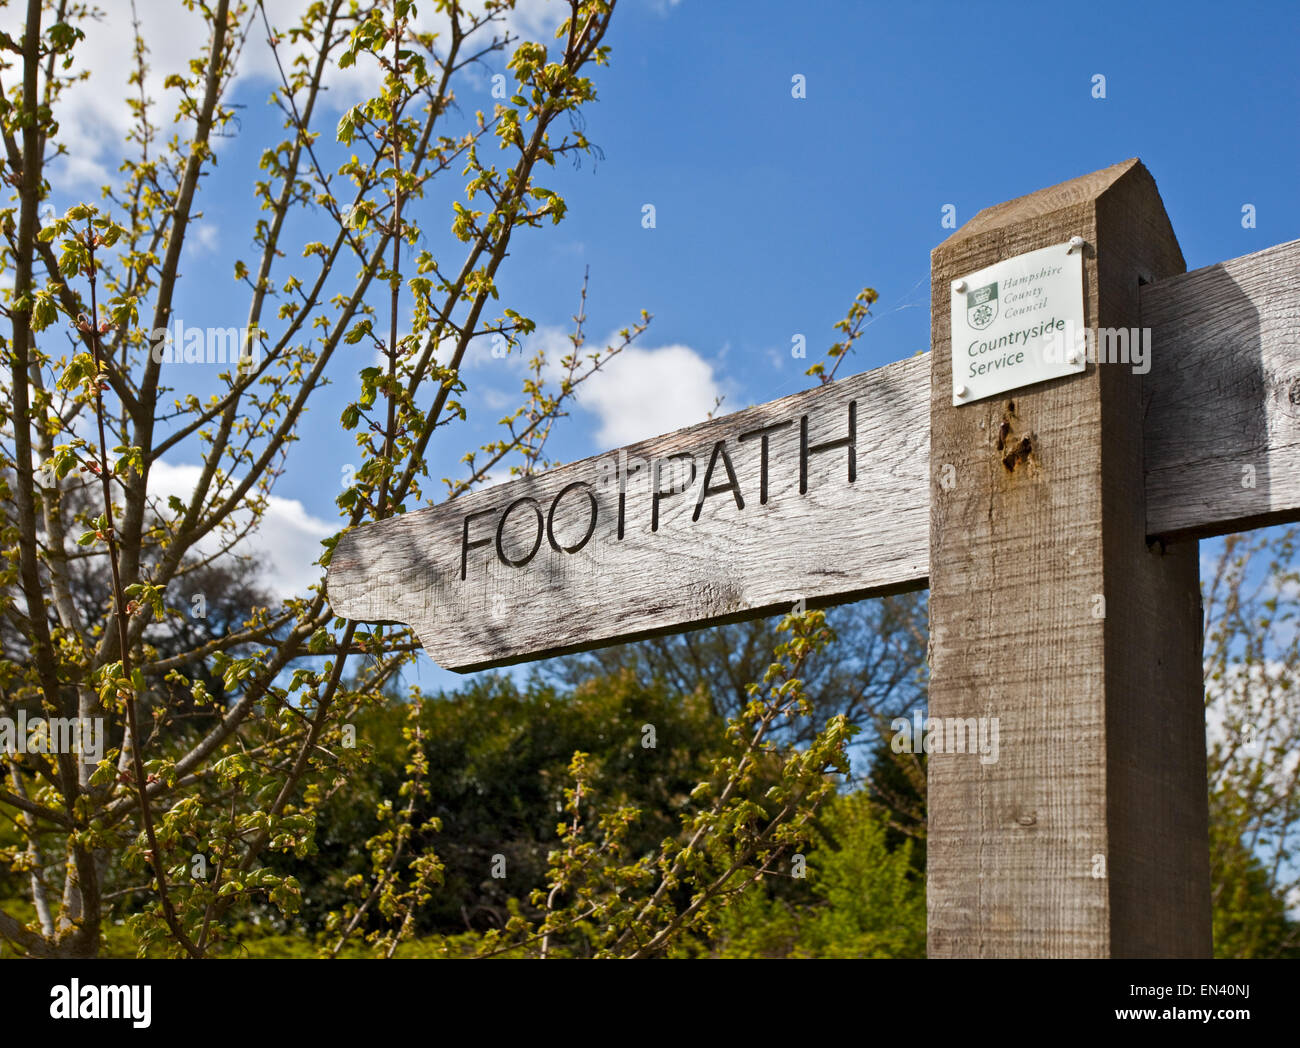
(773, 211)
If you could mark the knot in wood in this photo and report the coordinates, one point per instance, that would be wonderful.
(1017, 451)
(1293, 395)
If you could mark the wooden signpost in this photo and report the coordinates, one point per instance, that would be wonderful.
(821, 495)
(1054, 523)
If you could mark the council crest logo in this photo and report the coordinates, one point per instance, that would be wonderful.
(982, 306)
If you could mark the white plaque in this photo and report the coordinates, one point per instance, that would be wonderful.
(1018, 322)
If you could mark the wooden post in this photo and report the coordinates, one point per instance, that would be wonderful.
(1062, 561)
(1049, 612)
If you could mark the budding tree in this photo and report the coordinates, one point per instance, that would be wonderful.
(90, 412)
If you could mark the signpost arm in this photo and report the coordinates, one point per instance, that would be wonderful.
(1052, 617)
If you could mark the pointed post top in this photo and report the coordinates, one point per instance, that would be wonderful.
(1047, 201)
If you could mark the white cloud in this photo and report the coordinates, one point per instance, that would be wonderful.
(639, 393)
(496, 399)
(80, 166)
(287, 540)
(206, 237)
(93, 113)
(644, 392)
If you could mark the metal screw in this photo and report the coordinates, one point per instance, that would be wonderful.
(961, 391)
(1075, 242)
(959, 286)
(1073, 356)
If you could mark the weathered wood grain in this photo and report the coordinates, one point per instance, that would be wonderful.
(1222, 401)
(822, 539)
(1050, 614)
(1221, 413)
